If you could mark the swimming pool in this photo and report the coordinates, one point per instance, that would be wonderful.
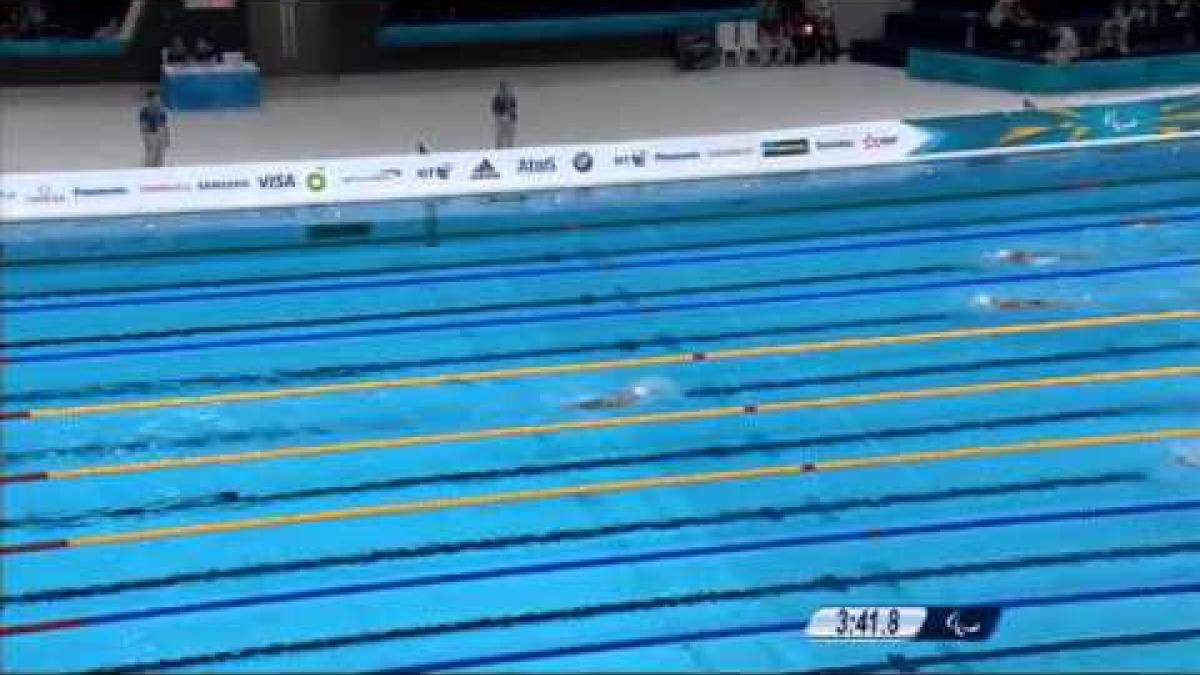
(364, 456)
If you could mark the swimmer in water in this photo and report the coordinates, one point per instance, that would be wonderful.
(992, 302)
(1189, 457)
(621, 398)
(644, 390)
(1019, 256)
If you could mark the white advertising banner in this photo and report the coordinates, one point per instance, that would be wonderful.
(276, 184)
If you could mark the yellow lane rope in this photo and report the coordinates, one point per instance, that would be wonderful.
(649, 418)
(609, 487)
(589, 366)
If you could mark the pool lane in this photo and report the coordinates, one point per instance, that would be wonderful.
(477, 619)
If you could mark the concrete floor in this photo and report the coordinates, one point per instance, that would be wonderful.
(94, 126)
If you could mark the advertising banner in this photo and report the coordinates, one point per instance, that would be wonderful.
(280, 184)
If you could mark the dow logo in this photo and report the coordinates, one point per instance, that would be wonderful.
(277, 181)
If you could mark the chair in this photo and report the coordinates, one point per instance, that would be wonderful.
(727, 43)
(748, 41)
(776, 45)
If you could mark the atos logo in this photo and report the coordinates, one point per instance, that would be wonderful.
(277, 181)
(538, 165)
(873, 142)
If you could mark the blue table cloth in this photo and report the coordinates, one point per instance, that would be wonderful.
(211, 87)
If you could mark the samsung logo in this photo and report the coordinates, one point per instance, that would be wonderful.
(841, 144)
(224, 184)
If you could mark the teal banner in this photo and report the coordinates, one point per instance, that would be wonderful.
(1060, 125)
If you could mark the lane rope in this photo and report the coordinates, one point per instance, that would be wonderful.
(609, 364)
(605, 423)
(601, 488)
(653, 555)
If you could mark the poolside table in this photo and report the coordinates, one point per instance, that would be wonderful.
(211, 86)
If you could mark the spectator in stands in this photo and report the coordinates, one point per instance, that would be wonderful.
(32, 20)
(1012, 25)
(828, 49)
(504, 109)
(802, 29)
(156, 134)
(110, 30)
(1143, 23)
(205, 51)
(176, 51)
(1066, 48)
(1113, 39)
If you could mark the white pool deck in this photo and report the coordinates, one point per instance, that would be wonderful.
(94, 126)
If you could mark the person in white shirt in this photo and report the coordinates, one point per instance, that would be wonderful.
(1066, 49)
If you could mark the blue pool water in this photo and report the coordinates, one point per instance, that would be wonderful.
(1092, 550)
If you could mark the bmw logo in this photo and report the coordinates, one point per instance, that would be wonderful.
(583, 162)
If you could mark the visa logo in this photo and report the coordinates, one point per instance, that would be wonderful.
(277, 181)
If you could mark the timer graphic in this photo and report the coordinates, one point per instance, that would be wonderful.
(883, 623)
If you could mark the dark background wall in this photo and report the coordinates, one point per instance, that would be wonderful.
(140, 62)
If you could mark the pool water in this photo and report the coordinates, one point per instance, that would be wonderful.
(372, 457)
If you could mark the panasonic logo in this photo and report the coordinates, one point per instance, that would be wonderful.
(100, 192)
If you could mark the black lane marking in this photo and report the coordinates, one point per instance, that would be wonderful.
(828, 582)
(946, 368)
(327, 373)
(151, 444)
(220, 498)
(762, 514)
(572, 301)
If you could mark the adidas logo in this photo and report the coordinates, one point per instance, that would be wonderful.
(484, 171)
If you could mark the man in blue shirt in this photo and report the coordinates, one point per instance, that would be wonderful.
(156, 136)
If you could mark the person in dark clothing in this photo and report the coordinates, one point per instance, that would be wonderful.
(156, 136)
(828, 48)
(504, 110)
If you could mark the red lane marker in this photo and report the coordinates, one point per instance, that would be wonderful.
(41, 626)
(15, 414)
(34, 546)
(24, 477)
